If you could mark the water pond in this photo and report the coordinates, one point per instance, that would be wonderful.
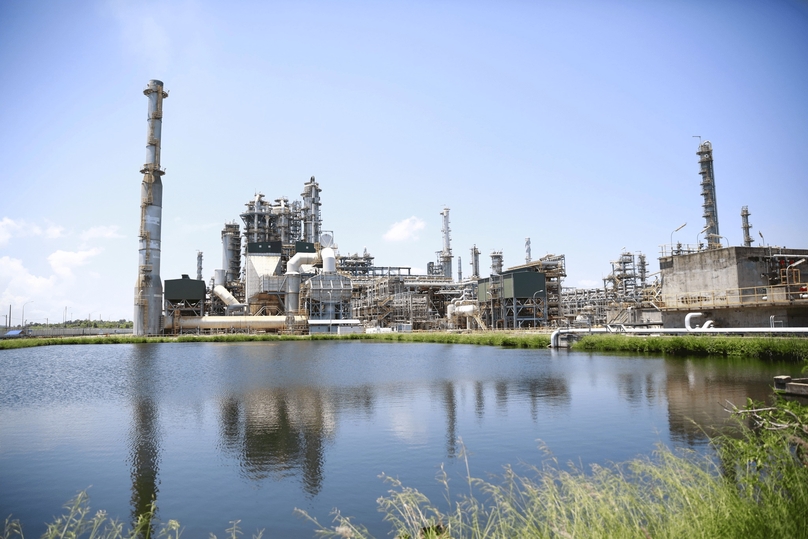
(218, 432)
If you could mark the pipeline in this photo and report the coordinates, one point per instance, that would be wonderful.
(229, 300)
(234, 322)
(556, 335)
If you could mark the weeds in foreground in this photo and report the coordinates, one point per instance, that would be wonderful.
(757, 487)
(77, 522)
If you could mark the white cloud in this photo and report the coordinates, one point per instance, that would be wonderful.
(63, 262)
(10, 228)
(18, 285)
(54, 231)
(405, 230)
(105, 232)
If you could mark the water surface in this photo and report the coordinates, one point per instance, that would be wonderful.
(220, 431)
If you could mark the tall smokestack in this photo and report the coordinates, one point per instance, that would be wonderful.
(149, 287)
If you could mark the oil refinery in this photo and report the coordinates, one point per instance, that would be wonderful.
(281, 271)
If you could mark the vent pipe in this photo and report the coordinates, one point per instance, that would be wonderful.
(149, 286)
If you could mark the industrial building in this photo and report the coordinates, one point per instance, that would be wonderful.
(281, 271)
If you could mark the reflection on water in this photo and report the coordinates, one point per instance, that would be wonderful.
(275, 433)
(450, 407)
(699, 392)
(144, 433)
(271, 424)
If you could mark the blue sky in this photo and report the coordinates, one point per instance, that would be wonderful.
(571, 123)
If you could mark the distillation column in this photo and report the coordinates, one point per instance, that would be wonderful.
(475, 263)
(710, 206)
(149, 287)
(747, 238)
(446, 253)
(311, 207)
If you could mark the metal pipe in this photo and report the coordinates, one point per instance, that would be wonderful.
(690, 316)
(229, 299)
(293, 279)
(149, 286)
(236, 322)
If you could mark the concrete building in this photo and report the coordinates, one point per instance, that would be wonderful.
(736, 286)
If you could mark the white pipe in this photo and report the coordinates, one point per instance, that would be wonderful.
(235, 322)
(231, 303)
(688, 317)
(293, 279)
(293, 266)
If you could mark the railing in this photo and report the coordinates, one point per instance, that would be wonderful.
(757, 296)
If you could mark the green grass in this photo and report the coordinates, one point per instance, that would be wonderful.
(765, 348)
(757, 487)
(513, 340)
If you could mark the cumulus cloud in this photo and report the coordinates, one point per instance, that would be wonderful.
(8, 228)
(17, 284)
(405, 230)
(104, 232)
(18, 228)
(63, 262)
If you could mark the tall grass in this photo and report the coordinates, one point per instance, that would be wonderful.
(668, 495)
(766, 348)
(78, 521)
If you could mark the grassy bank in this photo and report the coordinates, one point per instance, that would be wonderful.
(765, 348)
(526, 340)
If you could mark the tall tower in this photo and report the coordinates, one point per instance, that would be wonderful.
(747, 238)
(149, 286)
(705, 154)
(527, 251)
(475, 262)
(311, 208)
(446, 253)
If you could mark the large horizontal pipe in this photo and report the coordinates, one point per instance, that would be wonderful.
(234, 322)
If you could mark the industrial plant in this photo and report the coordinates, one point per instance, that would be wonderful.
(281, 271)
